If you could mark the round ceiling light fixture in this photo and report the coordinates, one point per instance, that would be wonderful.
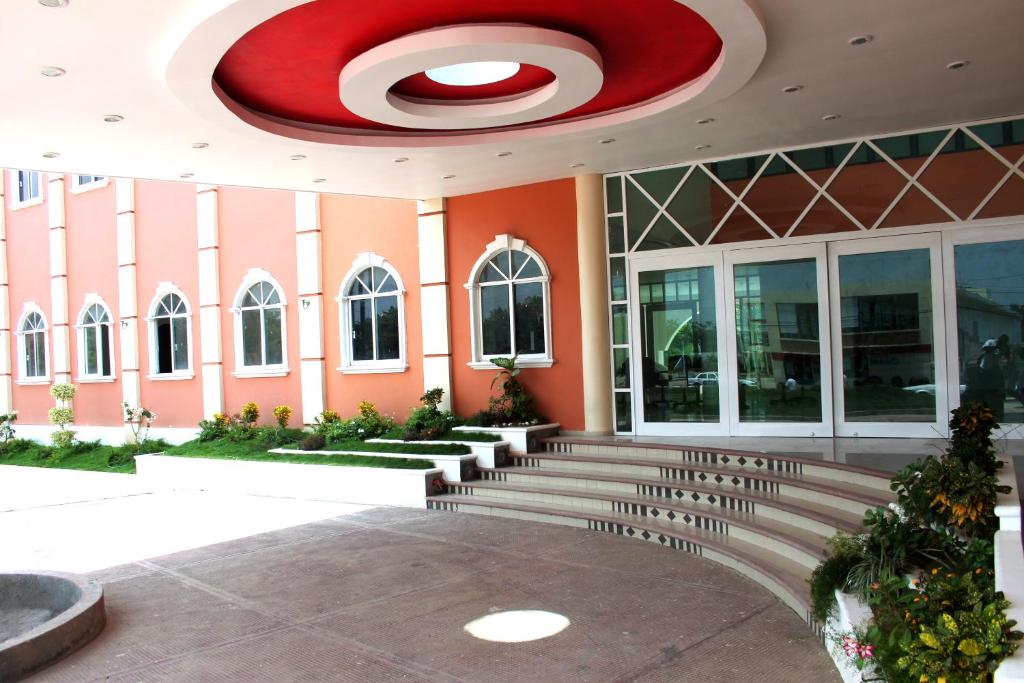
(705, 121)
(861, 40)
(52, 71)
(297, 157)
(607, 141)
(473, 73)
(701, 147)
(448, 177)
(504, 154)
(113, 118)
(200, 145)
(319, 180)
(53, 3)
(577, 165)
(186, 175)
(401, 160)
(831, 117)
(51, 155)
(790, 89)
(958, 64)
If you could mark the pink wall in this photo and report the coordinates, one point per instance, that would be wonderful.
(257, 230)
(388, 227)
(28, 266)
(166, 251)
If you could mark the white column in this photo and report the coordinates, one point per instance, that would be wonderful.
(210, 351)
(127, 297)
(60, 329)
(434, 288)
(595, 341)
(6, 399)
(312, 365)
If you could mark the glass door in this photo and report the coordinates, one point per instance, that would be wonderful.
(778, 350)
(678, 347)
(888, 337)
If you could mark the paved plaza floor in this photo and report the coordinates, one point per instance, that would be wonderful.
(384, 594)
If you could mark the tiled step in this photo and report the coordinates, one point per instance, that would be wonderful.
(703, 455)
(842, 495)
(783, 576)
(820, 519)
(801, 545)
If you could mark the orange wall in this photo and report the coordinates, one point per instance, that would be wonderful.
(166, 251)
(28, 267)
(257, 230)
(543, 214)
(388, 227)
(92, 268)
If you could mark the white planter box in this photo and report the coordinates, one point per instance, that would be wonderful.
(454, 467)
(488, 453)
(367, 485)
(850, 613)
(1009, 563)
(521, 439)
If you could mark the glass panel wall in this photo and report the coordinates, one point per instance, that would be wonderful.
(990, 326)
(887, 323)
(679, 342)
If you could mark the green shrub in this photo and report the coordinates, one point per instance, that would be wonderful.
(832, 574)
(64, 391)
(214, 428)
(369, 424)
(250, 413)
(7, 431)
(282, 414)
(63, 439)
(514, 406)
(313, 442)
(428, 421)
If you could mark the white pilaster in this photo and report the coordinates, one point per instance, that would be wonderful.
(434, 314)
(127, 293)
(209, 300)
(6, 398)
(60, 331)
(312, 366)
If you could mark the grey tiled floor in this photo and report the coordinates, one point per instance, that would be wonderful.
(382, 595)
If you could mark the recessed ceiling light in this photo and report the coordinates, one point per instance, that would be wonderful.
(113, 118)
(52, 71)
(607, 141)
(297, 157)
(51, 155)
(861, 40)
(200, 145)
(703, 121)
(504, 154)
(576, 165)
(473, 73)
(959, 64)
(319, 180)
(401, 160)
(53, 3)
(186, 175)
(831, 117)
(448, 177)
(792, 89)
(700, 147)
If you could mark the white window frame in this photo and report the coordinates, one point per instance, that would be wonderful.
(94, 183)
(481, 361)
(16, 201)
(252, 277)
(29, 308)
(349, 366)
(92, 299)
(164, 289)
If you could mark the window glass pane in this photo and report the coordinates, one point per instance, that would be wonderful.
(387, 284)
(617, 273)
(362, 329)
(270, 295)
(529, 318)
(779, 361)
(623, 411)
(360, 284)
(989, 305)
(613, 191)
(91, 362)
(105, 360)
(379, 275)
(272, 320)
(39, 340)
(179, 336)
(30, 355)
(616, 237)
(387, 327)
(162, 330)
(495, 323)
(252, 333)
(496, 269)
(620, 324)
(250, 298)
(679, 362)
(888, 352)
(621, 368)
(519, 259)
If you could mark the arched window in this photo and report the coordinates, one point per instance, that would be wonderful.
(32, 348)
(170, 334)
(95, 358)
(260, 343)
(510, 305)
(372, 314)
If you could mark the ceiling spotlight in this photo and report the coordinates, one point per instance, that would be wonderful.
(607, 141)
(959, 64)
(504, 154)
(577, 165)
(861, 40)
(52, 71)
(113, 118)
(701, 147)
(448, 177)
(53, 3)
(703, 121)
(830, 117)
(200, 145)
(297, 157)
(319, 180)
(186, 175)
(401, 160)
(51, 155)
(792, 89)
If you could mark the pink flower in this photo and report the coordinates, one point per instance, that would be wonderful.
(850, 646)
(866, 651)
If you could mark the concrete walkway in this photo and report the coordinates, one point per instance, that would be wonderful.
(383, 594)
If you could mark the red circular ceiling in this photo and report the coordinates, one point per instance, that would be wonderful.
(288, 66)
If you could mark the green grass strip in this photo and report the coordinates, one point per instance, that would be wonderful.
(481, 437)
(86, 457)
(248, 451)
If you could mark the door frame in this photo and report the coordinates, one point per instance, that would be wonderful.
(932, 241)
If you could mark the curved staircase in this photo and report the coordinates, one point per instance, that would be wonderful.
(766, 516)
